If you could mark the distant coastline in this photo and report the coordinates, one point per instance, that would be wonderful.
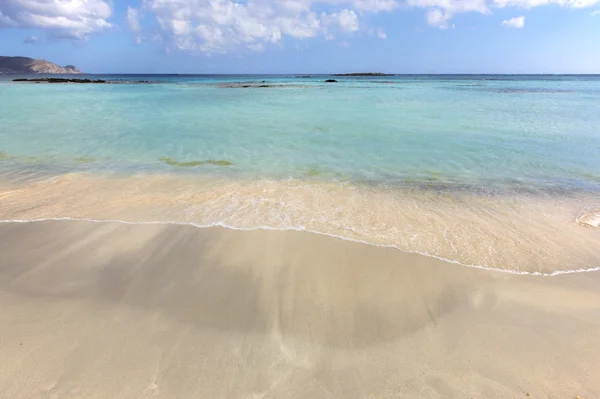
(25, 65)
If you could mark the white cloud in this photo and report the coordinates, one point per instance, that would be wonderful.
(220, 26)
(438, 18)
(31, 40)
(133, 21)
(257, 47)
(516, 22)
(536, 3)
(346, 20)
(440, 12)
(484, 6)
(72, 19)
(371, 5)
(594, 13)
(452, 6)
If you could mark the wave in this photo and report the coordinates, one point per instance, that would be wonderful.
(518, 234)
(590, 218)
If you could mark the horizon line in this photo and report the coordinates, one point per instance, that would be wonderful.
(316, 74)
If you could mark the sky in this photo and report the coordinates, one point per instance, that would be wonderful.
(306, 36)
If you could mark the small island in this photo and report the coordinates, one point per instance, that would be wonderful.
(364, 74)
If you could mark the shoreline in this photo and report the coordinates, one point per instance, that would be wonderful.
(517, 233)
(112, 310)
(274, 229)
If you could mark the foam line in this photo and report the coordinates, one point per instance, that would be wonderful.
(222, 225)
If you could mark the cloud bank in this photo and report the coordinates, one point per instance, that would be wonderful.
(440, 12)
(70, 19)
(225, 26)
(220, 26)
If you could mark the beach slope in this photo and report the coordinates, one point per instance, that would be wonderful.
(100, 310)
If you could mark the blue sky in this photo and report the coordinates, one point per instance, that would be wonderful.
(306, 36)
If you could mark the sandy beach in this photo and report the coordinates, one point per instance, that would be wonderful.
(110, 310)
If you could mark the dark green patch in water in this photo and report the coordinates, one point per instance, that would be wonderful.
(591, 176)
(314, 171)
(85, 159)
(28, 159)
(172, 162)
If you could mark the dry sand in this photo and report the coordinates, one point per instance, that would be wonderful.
(107, 310)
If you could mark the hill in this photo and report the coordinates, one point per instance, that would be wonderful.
(24, 65)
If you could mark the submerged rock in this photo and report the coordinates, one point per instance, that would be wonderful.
(331, 81)
(590, 219)
(252, 85)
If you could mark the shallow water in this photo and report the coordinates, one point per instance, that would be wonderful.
(492, 171)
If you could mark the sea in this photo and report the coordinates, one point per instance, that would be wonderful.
(499, 172)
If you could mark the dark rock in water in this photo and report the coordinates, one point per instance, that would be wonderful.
(56, 80)
(304, 77)
(249, 86)
(331, 81)
(59, 80)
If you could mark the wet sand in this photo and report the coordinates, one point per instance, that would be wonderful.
(535, 234)
(109, 310)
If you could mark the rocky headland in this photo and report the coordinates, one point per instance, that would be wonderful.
(24, 65)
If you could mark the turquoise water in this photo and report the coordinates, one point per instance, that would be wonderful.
(473, 131)
(500, 172)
